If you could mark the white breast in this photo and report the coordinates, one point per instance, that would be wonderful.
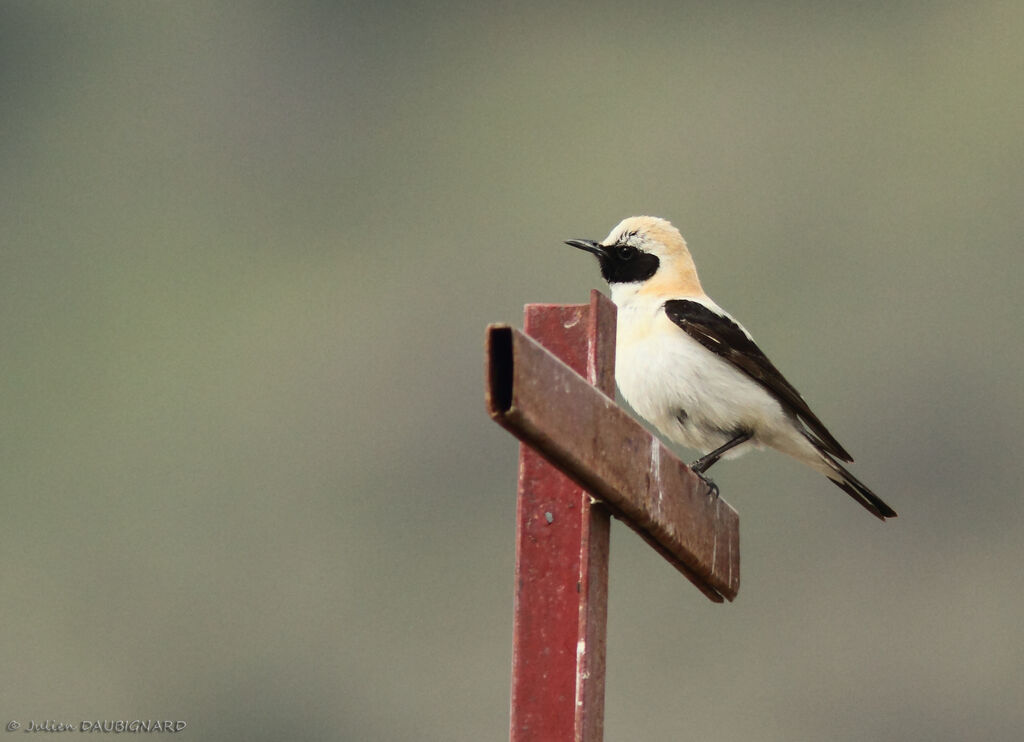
(690, 394)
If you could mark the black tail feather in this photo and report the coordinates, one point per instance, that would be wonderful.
(860, 492)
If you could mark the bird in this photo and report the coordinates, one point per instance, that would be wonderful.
(691, 370)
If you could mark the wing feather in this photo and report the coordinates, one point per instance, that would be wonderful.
(722, 336)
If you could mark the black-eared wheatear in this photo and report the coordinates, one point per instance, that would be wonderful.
(694, 372)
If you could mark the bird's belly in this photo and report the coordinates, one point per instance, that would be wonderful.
(691, 395)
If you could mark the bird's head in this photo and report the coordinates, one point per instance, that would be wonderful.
(646, 253)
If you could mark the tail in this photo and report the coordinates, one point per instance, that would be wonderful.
(852, 486)
(856, 489)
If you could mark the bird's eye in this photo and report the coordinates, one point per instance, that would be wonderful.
(625, 252)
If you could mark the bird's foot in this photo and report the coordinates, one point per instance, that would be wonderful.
(711, 485)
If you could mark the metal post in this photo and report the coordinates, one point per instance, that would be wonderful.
(552, 388)
(561, 580)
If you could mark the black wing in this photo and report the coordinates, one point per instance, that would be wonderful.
(724, 337)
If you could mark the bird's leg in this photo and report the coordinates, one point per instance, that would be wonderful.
(705, 462)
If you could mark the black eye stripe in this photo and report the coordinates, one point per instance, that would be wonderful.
(639, 266)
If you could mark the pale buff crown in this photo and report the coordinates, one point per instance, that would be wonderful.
(677, 274)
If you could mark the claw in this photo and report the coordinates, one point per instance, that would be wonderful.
(711, 485)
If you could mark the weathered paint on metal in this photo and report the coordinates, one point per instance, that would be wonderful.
(596, 443)
(560, 611)
(552, 386)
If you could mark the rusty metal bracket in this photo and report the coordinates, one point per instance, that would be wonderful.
(586, 435)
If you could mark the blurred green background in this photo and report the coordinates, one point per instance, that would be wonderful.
(249, 251)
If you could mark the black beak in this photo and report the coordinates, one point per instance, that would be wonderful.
(589, 246)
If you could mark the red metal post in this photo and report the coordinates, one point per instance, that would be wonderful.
(582, 432)
(561, 579)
